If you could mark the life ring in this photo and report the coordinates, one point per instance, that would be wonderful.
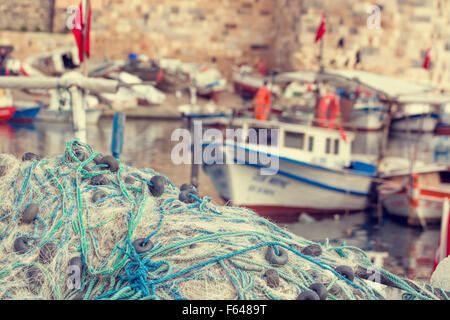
(322, 111)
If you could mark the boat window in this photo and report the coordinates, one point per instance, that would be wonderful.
(336, 146)
(294, 140)
(328, 146)
(311, 144)
(262, 136)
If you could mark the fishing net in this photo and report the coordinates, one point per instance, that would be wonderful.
(84, 226)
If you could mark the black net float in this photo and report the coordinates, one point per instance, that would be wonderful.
(187, 186)
(140, 247)
(99, 194)
(79, 296)
(185, 196)
(3, 169)
(98, 158)
(308, 295)
(21, 245)
(313, 250)
(34, 275)
(30, 213)
(320, 289)
(79, 154)
(99, 180)
(276, 259)
(130, 180)
(111, 162)
(346, 272)
(76, 261)
(157, 187)
(30, 156)
(272, 278)
(47, 252)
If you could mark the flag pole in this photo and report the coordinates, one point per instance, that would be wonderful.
(321, 67)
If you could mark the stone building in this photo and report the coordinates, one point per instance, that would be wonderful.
(233, 31)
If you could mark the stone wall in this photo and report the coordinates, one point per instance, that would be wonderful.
(26, 15)
(408, 28)
(234, 31)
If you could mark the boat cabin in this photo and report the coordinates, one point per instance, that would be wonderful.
(296, 142)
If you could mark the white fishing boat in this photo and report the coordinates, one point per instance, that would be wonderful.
(415, 117)
(367, 116)
(315, 173)
(416, 196)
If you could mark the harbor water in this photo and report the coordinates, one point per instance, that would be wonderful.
(147, 144)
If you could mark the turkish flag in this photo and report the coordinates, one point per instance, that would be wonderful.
(322, 28)
(427, 61)
(77, 31)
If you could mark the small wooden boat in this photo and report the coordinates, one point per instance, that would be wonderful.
(26, 111)
(418, 196)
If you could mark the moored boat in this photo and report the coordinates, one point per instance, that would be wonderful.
(418, 196)
(26, 111)
(314, 174)
(415, 118)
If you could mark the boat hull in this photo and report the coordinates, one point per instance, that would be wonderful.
(26, 115)
(367, 119)
(92, 116)
(6, 113)
(415, 123)
(429, 206)
(294, 189)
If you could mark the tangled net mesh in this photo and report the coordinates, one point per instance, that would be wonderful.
(195, 250)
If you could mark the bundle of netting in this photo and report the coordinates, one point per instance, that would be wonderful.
(86, 226)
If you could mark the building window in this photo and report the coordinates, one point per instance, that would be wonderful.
(294, 140)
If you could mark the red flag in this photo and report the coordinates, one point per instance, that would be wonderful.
(427, 61)
(78, 32)
(322, 28)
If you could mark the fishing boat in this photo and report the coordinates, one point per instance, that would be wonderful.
(443, 127)
(415, 117)
(315, 173)
(7, 108)
(416, 194)
(26, 111)
(247, 84)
